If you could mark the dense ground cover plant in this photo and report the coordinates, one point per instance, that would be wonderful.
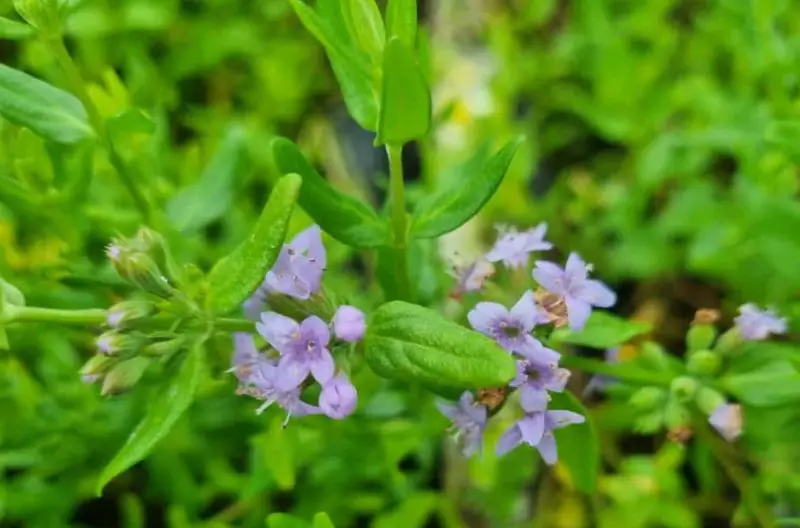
(478, 316)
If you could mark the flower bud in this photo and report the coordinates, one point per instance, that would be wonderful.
(676, 415)
(729, 342)
(119, 344)
(683, 389)
(96, 367)
(348, 324)
(164, 348)
(649, 423)
(708, 400)
(700, 336)
(152, 243)
(138, 267)
(647, 398)
(703, 363)
(124, 376)
(338, 398)
(127, 313)
(727, 420)
(654, 357)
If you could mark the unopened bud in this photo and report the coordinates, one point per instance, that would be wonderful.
(654, 357)
(135, 265)
(155, 245)
(647, 398)
(676, 415)
(708, 400)
(649, 423)
(119, 344)
(96, 367)
(729, 342)
(164, 348)
(683, 389)
(124, 376)
(700, 336)
(703, 363)
(127, 313)
(727, 420)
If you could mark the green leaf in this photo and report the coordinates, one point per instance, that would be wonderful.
(17, 198)
(413, 512)
(451, 207)
(284, 520)
(351, 66)
(578, 444)
(211, 195)
(401, 21)
(345, 218)
(602, 330)
(236, 276)
(772, 384)
(366, 25)
(278, 450)
(415, 344)
(405, 112)
(13, 30)
(132, 122)
(3, 335)
(163, 412)
(48, 111)
(424, 271)
(321, 520)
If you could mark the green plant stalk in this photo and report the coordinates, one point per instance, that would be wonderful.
(56, 46)
(398, 213)
(622, 372)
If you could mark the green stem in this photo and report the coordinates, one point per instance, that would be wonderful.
(398, 212)
(56, 45)
(622, 372)
(33, 314)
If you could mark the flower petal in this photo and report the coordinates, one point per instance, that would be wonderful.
(596, 293)
(508, 440)
(448, 409)
(525, 311)
(309, 242)
(281, 332)
(535, 352)
(322, 366)
(532, 428)
(547, 448)
(313, 328)
(559, 419)
(533, 399)
(485, 316)
(549, 276)
(578, 312)
(292, 371)
(575, 269)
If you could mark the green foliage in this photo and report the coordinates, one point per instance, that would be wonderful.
(602, 331)
(238, 274)
(412, 343)
(578, 445)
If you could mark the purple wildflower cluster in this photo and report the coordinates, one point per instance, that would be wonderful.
(303, 354)
(569, 291)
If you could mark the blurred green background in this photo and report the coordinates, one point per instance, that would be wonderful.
(663, 138)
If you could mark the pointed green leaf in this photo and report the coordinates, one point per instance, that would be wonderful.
(350, 65)
(366, 25)
(578, 445)
(321, 520)
(48, 111)
(415, 344)
(211, 195)
(176, 396)
(405, 112)
(451, 207)
(344, 217)
(602, 330)
(13, 30)
(401, 21)
(771, 384)
(236, 276)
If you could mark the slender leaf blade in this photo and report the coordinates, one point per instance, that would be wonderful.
(578, 444)
(401, 21)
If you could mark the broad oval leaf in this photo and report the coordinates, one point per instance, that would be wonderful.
(48, 111)
(176, 396)
(578, 444)
(401, 21)
(405, 111)
(344, 217)
(236, 276)
(451, 207)
(208, 198)
(415, 344)
(602, 330)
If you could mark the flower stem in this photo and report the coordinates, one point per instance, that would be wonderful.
(56, 45)
(398, 211)
(622, 372)
(34, 314)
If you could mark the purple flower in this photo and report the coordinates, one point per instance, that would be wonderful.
(755, 324)
(469, 420)
(600, 382)
(298, 270)
(303, 348)
(534, 380)
(471, 277)
(262, 383)
(338, 397)
(348, 324)
(245, 357)
(513, 247)
(511, 329)
(727, 420)
(536, 430)
(578, 291)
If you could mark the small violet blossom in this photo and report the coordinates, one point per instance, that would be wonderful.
(298, 269)
(303, 349)
(534, 380)
(727, 420)
(536, 430)
(348, 324)
(755, 324)
(338, 397)
(469, 421)
(470, 277)
(511, 329)
(513, 247)
(572, 284)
